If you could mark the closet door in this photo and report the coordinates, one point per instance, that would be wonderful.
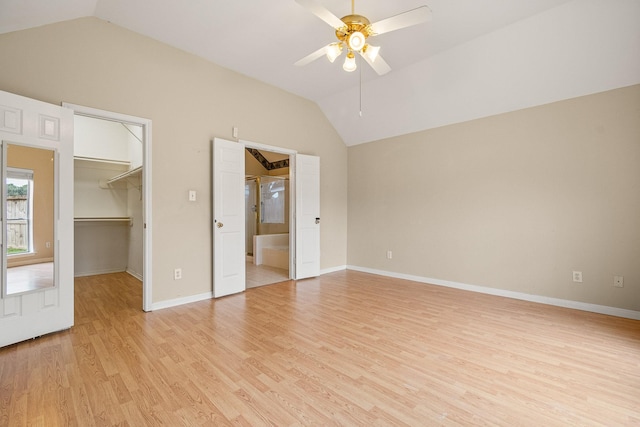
(30, 312)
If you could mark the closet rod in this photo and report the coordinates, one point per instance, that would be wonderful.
(102, 219)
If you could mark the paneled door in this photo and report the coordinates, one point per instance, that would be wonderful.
(228, 218)
(307, 216)
(30, 311)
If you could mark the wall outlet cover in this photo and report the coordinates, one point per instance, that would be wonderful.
(618, 281)
(577, 276)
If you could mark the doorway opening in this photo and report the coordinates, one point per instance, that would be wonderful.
(112, 215)
(229, 219)
(267, 217)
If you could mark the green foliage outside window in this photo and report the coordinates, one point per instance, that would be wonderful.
(14, 190)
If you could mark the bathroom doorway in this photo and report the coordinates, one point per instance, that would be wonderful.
(267, 217)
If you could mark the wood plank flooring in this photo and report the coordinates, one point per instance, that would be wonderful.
(348, 348)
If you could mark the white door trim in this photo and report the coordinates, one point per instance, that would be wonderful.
(147, 283)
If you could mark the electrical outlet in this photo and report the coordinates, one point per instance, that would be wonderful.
(177, 274)
(47, 245)
(577, 276)
(389, 254)
(618, 281)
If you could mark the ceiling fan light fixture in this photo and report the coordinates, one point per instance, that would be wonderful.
(333, 51)
(350, 62)
(356, 41)
(371, 52)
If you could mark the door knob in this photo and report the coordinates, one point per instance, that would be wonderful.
(219, 225)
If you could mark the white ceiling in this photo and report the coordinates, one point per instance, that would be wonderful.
(263, 38)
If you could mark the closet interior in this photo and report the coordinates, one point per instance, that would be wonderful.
(107, 197)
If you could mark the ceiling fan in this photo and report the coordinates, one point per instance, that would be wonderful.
(352, 32)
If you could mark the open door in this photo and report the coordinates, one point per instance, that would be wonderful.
(228, 218)
(43, 306)
(307, 216)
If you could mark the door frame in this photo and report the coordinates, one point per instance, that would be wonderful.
(147, 283)
(292, 196)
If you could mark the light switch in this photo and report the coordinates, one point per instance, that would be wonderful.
(192, 195)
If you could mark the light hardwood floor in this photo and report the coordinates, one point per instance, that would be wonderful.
(345, 349)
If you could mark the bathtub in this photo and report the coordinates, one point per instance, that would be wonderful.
(272, 250)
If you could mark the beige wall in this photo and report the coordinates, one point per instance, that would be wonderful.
(252, 166)
(515, 201)
(94, 63)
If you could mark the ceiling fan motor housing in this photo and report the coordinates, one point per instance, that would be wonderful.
(354, 24)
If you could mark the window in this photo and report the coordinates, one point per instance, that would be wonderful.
(19, 211)
(272, 200)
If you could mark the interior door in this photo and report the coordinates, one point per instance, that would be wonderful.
(228, 218)
(29, 314)
(307, 185)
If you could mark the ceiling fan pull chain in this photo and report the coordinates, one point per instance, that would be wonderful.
(360, 72)
(353, 7)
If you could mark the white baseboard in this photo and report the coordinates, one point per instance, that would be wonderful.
(136, 275)
(179, 301)
(95, 273)
(333, 269)
(16, 261)
(577, 305)
(209, 295)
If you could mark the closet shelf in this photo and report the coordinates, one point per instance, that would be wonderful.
(125, 175)
(100, 160)
(102, 219)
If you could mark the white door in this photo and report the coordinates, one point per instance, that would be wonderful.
(307, 185)
(228, 218)
(25, 315)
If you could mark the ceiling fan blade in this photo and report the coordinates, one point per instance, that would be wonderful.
(312, 56)
(379, 65)
(403, 20)
(322, 13)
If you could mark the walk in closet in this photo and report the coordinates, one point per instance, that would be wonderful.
(107, 197)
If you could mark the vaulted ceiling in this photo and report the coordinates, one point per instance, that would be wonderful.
(473, 59)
